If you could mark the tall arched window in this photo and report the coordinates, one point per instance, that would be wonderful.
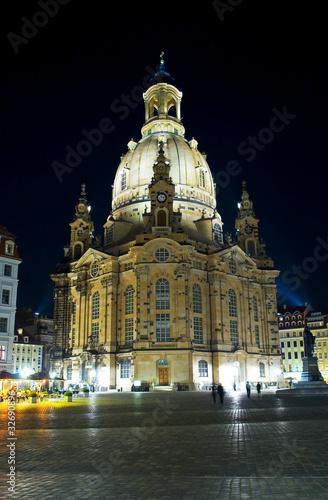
(197, 299)
(129, 300)
(250, 248)
(255, 309)
(95, 305)
(201, 178)
(162, 292)
(161, 218)
(232, 303)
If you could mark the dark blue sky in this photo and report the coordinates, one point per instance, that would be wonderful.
(237, 72)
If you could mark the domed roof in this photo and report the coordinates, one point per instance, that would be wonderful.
(195, 195)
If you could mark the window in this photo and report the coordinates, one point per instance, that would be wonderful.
(232, 266)
(257, 334)
(4, 325)
(125, 369)
(94, 270)
(162, 255)
(250, 248)
(201, 179)
(217, 233)
(162, 292)
(232, 303)
(234, 332)
(288, 343)
(262, 369)
(95, 305)
(128, 266)
(73, 337)
(109, 235)
(94, 334)
(325, 355)
(2, 353)
(163, 362)
(296, 355)
(202, 368)
(295, 343)
(9, 248)
(129, 300)
(161, 218)
(162, 327)
(255, 310)
(69, 373)
(282, 345)
(8, 270)
(74, 314)
(123, 181)
(289, 355)
(320, 355)
(128, 330)
(198, 330)
(301, 343)
(5, 296)
(197, 299)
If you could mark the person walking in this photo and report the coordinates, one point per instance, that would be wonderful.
(221, 393)
(213, 393)
(258, 388)
(248, 389)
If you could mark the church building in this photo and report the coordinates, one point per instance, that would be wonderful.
(165, 300)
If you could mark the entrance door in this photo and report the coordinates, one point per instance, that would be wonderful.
(163, 372)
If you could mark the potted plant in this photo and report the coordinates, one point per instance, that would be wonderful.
(68, 397)
(32, 397)
(86, 392)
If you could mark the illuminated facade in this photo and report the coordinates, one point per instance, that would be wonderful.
(165, 300)
(9, 262)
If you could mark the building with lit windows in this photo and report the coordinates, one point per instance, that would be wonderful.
(165, 300)
(291, 322)
(9, 262)
(27, 353)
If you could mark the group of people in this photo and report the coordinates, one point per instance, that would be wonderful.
(248, 388)
(218, 390)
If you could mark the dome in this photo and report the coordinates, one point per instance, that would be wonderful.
(195, 195)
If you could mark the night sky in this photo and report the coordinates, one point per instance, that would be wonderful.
(238, 69)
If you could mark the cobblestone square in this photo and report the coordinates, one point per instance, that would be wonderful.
(169, 445)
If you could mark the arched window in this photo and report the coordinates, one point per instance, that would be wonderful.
(202, 368)
(197, 299)
(250, 248)
(109, 235)
(77, 251)
(162, 292)
(123, 181)
(232, 303)
(262, 369)
(257, 335)
(161, 218)
(255, 309)
(234, 332)
(129, 300)
(95, 305)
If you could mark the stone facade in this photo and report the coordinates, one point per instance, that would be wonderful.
(165, 301)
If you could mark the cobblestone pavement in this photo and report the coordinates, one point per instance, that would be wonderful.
(169, 446)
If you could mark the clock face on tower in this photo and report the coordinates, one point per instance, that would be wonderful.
(81, 207)
(161, 197)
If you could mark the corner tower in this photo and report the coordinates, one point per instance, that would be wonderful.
(247, 232)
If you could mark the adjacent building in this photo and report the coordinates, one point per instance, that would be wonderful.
(27, 354)
(41, 327)
(9, 262)
(317, 322)
(165, 300)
